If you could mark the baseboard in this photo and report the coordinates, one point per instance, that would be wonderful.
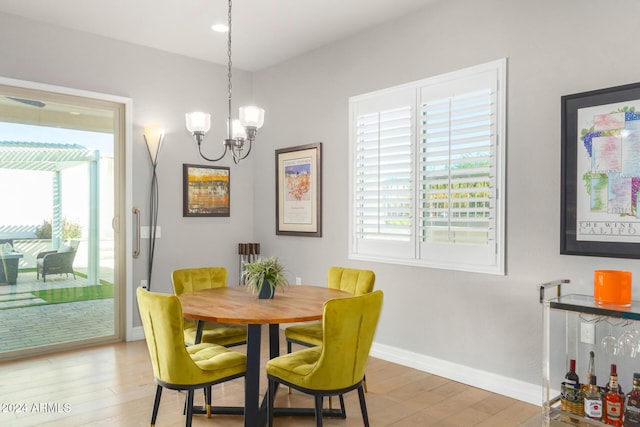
(520, 390)
(137, 333)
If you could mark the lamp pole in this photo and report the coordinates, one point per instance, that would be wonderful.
(153, 136)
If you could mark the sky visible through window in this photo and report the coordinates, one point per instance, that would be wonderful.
(25, 196)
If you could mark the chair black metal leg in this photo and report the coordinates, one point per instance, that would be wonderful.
(289, 351)
(318, 399)
(189, 408)
(363, 406)
(271, 397)
(207, 400)
(342, 409)
(156, 405)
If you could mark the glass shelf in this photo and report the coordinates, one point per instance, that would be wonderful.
(586, 304)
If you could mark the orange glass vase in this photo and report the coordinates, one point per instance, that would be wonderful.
(612, 287)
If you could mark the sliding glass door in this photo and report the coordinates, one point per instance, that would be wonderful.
(61, 252)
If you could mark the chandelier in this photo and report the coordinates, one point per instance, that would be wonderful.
(241, 132)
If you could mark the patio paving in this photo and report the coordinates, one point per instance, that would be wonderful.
(24, 325)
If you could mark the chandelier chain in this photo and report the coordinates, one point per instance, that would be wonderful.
(239, 144)
(229, 74)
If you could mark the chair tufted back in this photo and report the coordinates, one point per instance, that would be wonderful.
(195, 279)
(357, 282)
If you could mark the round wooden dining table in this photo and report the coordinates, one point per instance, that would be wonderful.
(237, 304)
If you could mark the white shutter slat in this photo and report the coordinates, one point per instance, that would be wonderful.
(457, 135)
(383, 175)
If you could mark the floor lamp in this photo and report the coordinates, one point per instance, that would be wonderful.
(153, 136)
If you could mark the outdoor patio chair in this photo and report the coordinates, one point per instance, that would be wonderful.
(57, 262)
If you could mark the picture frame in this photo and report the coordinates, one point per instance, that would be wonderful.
(299, 190)
(206, 191)
(600, 179)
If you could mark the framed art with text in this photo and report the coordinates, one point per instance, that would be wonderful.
(299, 190)
(205, 190)
(601, 173)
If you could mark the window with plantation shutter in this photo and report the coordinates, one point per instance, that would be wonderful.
(427, 161)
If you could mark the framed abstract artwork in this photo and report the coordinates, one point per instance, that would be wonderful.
(299, 190)
(600, 180)
(205, 190)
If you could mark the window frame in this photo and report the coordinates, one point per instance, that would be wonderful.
(489, 258)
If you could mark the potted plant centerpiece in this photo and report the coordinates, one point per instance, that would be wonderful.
(264, 275)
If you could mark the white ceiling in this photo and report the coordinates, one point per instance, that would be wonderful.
(264, 33)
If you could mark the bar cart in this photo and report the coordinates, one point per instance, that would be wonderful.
(584, 323)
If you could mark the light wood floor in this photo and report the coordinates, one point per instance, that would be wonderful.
(113, 385)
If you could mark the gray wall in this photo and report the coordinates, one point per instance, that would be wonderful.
(488, 324)
(483, 325)
(163, 87)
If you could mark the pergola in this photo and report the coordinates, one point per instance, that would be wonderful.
(37, 156)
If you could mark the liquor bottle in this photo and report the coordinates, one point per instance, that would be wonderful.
(593, 400)
(607, 387)
(570, 390)
(613, 401)
(631, 415)
(591, 371)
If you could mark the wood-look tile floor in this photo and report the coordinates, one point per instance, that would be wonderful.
(112, 385)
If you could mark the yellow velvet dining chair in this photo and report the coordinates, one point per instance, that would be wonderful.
(195, 279)
(337, 365)
(175, 366)
(355, 281)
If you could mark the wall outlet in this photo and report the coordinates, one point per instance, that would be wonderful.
(145, 232)
(588, 333)
(143, 284)
(298, 280)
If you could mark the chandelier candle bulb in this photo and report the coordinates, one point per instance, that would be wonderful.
(251, 116)
(198, 122)
(237, 130)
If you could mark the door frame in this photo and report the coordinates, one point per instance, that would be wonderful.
(122, 220)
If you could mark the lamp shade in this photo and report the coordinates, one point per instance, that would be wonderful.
(251, 116)
(237, 130)
(153, 136)
(198, 122)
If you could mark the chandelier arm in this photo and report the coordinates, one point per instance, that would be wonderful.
(207, 158)
(247, 154)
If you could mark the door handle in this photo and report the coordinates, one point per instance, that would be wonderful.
(136, 232)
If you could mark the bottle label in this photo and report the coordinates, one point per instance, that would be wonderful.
(593, 408)
(614, 410)
(632, 413)
(570, 392)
